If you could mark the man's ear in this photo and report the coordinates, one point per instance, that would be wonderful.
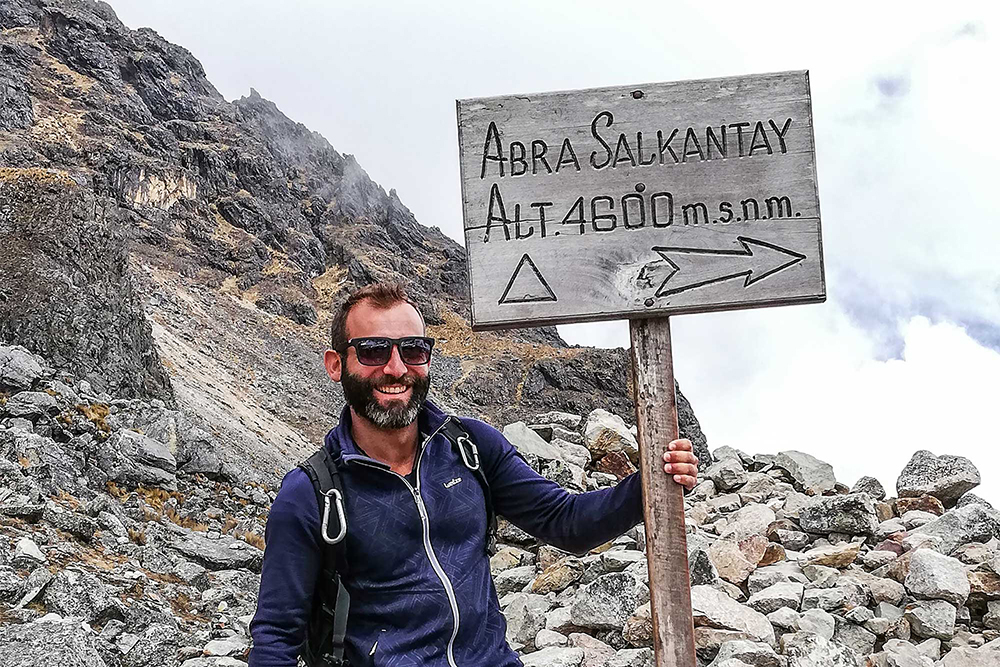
(333, 364)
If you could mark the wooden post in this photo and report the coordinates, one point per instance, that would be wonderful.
(663, 498)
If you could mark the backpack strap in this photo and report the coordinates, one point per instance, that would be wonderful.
(455, 431)
(328, 625)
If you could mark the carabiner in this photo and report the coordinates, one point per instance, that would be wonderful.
(339, 500)
(462, 443)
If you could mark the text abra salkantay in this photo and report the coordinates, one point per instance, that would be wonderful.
(678, 146)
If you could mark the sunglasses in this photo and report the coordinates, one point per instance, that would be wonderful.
(377, 350)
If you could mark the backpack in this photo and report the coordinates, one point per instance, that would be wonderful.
(327, 627)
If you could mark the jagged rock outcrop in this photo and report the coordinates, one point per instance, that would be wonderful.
(161, 242)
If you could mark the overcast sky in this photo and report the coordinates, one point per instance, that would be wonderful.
(905, 353)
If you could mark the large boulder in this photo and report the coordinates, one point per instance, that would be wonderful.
(19, 369)
(961, 525)
(853, 514)
(934, 576)
(606, 432)
(66, 643)
(608, 601)
(76, 592)
(134, 459)
(945, 477)
(811, 475)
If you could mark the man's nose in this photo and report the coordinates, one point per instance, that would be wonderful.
(395, 365)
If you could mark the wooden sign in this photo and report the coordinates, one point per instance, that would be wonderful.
(640, 201)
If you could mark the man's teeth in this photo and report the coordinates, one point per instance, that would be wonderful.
(393, 389)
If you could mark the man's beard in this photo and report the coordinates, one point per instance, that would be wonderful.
(360, 395)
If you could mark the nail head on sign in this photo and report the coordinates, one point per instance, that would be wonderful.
(637, 94)
(649, 302)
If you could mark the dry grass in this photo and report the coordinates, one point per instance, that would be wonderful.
(43, 176)
(456, 338)
(24, 461)
(228, 526)
(252, 539)
(66, 499)
(137, 536)
(184, 522)
(96, 413)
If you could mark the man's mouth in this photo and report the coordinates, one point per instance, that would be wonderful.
(392, 389)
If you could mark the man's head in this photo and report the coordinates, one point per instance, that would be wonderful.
(389, 394)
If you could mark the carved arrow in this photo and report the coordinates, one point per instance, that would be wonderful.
(683, 269)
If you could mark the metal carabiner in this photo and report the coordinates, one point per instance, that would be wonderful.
(462, 443)
(339, 500)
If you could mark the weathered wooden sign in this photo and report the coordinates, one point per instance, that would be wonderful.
(640, 201)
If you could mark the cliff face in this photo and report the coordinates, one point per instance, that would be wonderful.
(162, 242)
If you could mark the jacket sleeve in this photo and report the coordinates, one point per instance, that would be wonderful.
(574, 522)
(292, 563)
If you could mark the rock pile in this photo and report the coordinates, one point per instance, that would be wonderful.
(124, 543)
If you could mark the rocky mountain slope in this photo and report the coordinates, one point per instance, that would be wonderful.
(161, 242)
(112, 557)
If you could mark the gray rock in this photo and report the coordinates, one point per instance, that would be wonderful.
(609, 601)
(546, 638)
(727, 473)
(213, 662)
(961, 525)
(554, 657)
(869, 485)
(931, 618)
(900, 653)
(784, 618)
(34, 585)
(817, 622)
(945, 477)
(855, 638)
(916, 518)
(66, 643)
(528, 441)
(852, 514)
(31, 405)
(784, 594)
(514, 580)
(76, 592)
(804, 649)
(563, 419)
(133, 459)
(934, 576)
(605, 432)
(810, 474)
(525, 617)
(28, 551)
(714, 608)
(19, 369)
(749, 520)
(157, 641)
(632, 657)
(225, 553)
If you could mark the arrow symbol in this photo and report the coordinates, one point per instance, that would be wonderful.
(683, 269)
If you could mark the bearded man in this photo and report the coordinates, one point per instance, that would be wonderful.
(416, 559)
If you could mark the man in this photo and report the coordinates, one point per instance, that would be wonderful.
(417, 566)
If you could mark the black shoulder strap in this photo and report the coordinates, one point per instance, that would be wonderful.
(325, 639)
(459, 437)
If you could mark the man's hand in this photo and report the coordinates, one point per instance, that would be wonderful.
(679, 460)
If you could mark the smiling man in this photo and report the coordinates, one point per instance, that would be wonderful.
(417, 502)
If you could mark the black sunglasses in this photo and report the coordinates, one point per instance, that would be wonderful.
(377, 350)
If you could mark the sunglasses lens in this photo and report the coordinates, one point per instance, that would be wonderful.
(415, 351)
(374, 351)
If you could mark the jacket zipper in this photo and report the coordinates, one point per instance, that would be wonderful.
(425, 521)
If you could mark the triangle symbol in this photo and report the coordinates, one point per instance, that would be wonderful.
(527, 285)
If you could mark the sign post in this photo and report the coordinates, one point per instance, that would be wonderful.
(638, 203)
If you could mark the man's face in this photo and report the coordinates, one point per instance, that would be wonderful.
(391, 395)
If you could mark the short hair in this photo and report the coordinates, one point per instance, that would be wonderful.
(382, 295)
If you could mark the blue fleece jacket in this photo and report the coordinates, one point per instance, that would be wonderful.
(417, 573)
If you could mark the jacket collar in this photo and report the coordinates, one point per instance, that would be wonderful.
(340, 443)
